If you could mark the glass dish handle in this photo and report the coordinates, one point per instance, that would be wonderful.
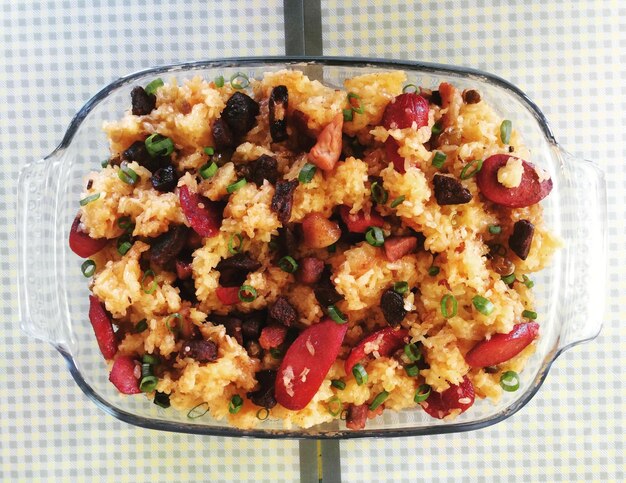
(37, 241)
(584, 213)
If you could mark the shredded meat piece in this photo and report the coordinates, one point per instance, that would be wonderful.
(200, 350)
(327, 149)
(282, 201)
(283, 312)
(357, 416)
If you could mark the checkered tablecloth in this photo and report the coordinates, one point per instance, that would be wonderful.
(569, 57)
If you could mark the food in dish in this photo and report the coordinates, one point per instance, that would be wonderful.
(281, 248)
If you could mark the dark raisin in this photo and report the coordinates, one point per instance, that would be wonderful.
(89, 184)
(200, 350)
(240, 113)
(471, 96)
(264, 167)
(161, 399)
(164, 179)
(142, 102)
(137, 152)
(392, 305)
(251, 328)
(222, 135)
(288, 240)
(283, 312)
(450, 191)
(232, 324)
(264, 395)
(325, 291)
(279, 100)
(522, 238)
(282, 201)
(511, 149)
(235, 270)
(491, 369)
(168, 245)
(186, 289)
(435, 98)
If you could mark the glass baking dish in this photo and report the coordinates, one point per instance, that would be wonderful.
(53, 293)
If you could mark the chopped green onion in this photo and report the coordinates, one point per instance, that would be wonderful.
(412, 352)
(209, 151)
(509, 381)
(337, 315)
(529, 314)
(422, 393)
(378, 400)
(347, 115)
(495, 229)
(146, 370)
(375, 236)
(239, 80)
(343, 415)
(306, 173)
(288, 264)
(88, 268)
(483, 305)
(197, 412)
(359, 374)
(410, 88)
(153, 86)
(148, 384)
(161, 399)
(231, 247)
(508, 279)
(219, 81)
(263, 414)
(401, 287)
(437, 128)
(208, 170)
(140, 327)
(471, 168)
(505, 131)
(231, 188)
(379, 194)
(528, 282)
(127, 175)
(412, 370)
(359, 109)
(153, 285)
(444, 306)
(158, 145)
(338, 383)
(89, 199)
(276, 353)
(334, 406)
(235, 404)
(150, 359)
(439, 159)
(247, 289)
(433, 271)
(397, 201)
(124, 243)
(104, 163)
(125, 223)
(173, 329)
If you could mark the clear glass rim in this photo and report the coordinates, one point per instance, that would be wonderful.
(170, 426)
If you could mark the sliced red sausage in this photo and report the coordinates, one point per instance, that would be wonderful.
(283, 312)
(360, 221)
(102, 327)
(228, 295)
(81, 243)
(310, 270)
(502, 347)
(385, 342)
(307, 362)
(406, 110)
(391, 150)
(123, 375)
(357, 416)
(204, 216)
(399, 246)
(441, 404)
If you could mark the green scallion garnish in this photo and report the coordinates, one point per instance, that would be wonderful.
(508, 279)
(88, 268)
(401, 287)
(397, 201)
(439, 159)
(125, 223)
(338, 383)
(209, 151)
(412, 352)
(375, 236)
(495, 229)
(127, 175)
(219, 81)
(529, 314)
(231, 188)
(198, 411)
(173, 329)
(528, 282)
(288, 264)
(150, 359)
(235, 404)
(433, 271)
(410, 88)
(148, 384)
(359, 108)
(509, 381)
(208, 170)
(152, 87)
(306, 173)
(360, 374)
(337, 315)
(378, 400)
(437, 128)
(123, 245)
(334, 406)
(89, 199)
(483, 305)
(140, 327)
(231, 245)
(158, 145)
(412, 370)
(247, 293)
(347, 115)
(146, 370)
(505, 131)
(451, 300)
(263, 414)
(149, 274)
(104, 163)
(379, 194)
(471, 168)
(239, 80)
(422, 393)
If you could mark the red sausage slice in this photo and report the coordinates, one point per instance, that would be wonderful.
(529, 192)
(307, 362)
(385, 342)
(405, 110)
(123, 375)
(82, 244)
(360, 221)
(204, 215)
(391, 149)
(502, 347)
(102, 327)
(441, 404)
(397, 247)
(228, 295)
